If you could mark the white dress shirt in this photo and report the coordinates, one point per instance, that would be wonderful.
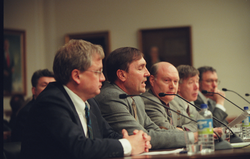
(80, 109)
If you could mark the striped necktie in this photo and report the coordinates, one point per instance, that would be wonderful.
(134, 109)
(90, 132)
(169, 115)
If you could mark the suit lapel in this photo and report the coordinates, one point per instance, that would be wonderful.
(71, 105)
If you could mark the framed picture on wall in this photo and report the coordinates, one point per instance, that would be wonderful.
(101, 38)
(166, 44)
(14, 62)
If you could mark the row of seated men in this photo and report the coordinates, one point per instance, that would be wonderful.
(81, 115)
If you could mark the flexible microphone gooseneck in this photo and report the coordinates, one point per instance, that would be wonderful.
(233, 139)
(224, 89)
(206, 92)
(123, 96)
(221, 145)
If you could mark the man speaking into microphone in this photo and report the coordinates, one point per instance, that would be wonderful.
(209, 83)
(121, 104)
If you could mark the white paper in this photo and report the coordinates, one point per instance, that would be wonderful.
(239, 119)
(163, 152)
(240, 144)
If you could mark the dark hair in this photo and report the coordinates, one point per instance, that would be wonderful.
(76, 54)
(186, 71)
(16, 102)
(205, 69)
(38, 74)
(120, 59)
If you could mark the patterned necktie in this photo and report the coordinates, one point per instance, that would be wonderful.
(169, 114)
(134, 109)
(90, 132)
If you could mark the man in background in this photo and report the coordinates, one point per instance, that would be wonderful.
(40, 79)
(164, 78)
(188, 89)
(209, 82)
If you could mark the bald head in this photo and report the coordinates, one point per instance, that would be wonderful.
(161, 67)
(164, 78)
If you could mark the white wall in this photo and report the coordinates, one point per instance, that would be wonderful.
(220, 31)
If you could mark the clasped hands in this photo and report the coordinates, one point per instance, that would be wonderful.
(140, 141)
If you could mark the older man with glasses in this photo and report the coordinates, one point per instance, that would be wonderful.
(209, 82)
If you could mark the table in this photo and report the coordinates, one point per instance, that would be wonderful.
(239, 153)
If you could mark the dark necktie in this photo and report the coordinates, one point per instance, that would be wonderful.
(134, 109)
(90, 132)
(188, 111)
(169, 115)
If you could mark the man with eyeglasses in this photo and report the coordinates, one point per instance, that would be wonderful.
(65, 121)
(209, 82)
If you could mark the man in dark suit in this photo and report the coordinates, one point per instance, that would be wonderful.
(60, 122)
(40, 79)
(209, 82)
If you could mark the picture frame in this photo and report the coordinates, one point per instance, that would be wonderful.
(14, 69)
(101, 38)
(166, 44)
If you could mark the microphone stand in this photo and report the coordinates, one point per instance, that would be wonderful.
(125, 96)
(206, 92)
(224, 89)
(221, 145)
(233, 138)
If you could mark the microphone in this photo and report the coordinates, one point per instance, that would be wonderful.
(221, 145)
(224, 89)
(246, 94)
(123, 96)
(233, 139)
(206, 92)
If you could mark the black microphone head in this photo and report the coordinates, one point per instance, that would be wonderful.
(224, 89)
(204, 91)
(246, 94)
(123, 96)
(162, 94)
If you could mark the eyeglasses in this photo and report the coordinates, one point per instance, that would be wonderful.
(97, 72)
(210, 81)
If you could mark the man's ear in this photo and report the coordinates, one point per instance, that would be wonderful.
(76, 76)
(33, 89)
(179, 88)
(152, 80)
(121, 74)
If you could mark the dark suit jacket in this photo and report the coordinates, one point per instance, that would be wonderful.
(217, 112)
(22, 118)
(54, 130)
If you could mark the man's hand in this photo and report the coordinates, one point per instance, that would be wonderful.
(140, 141)
(218, 131)
(217, 98)
(196, 137)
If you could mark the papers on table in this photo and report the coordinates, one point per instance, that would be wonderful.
(163, 152)
(239, 119)
(240, 144)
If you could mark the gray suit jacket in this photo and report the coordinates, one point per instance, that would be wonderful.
(120, 115)
(217, 112)
(158, 113)
(193, 113)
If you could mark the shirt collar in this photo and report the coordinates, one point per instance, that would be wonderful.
(77, 101)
